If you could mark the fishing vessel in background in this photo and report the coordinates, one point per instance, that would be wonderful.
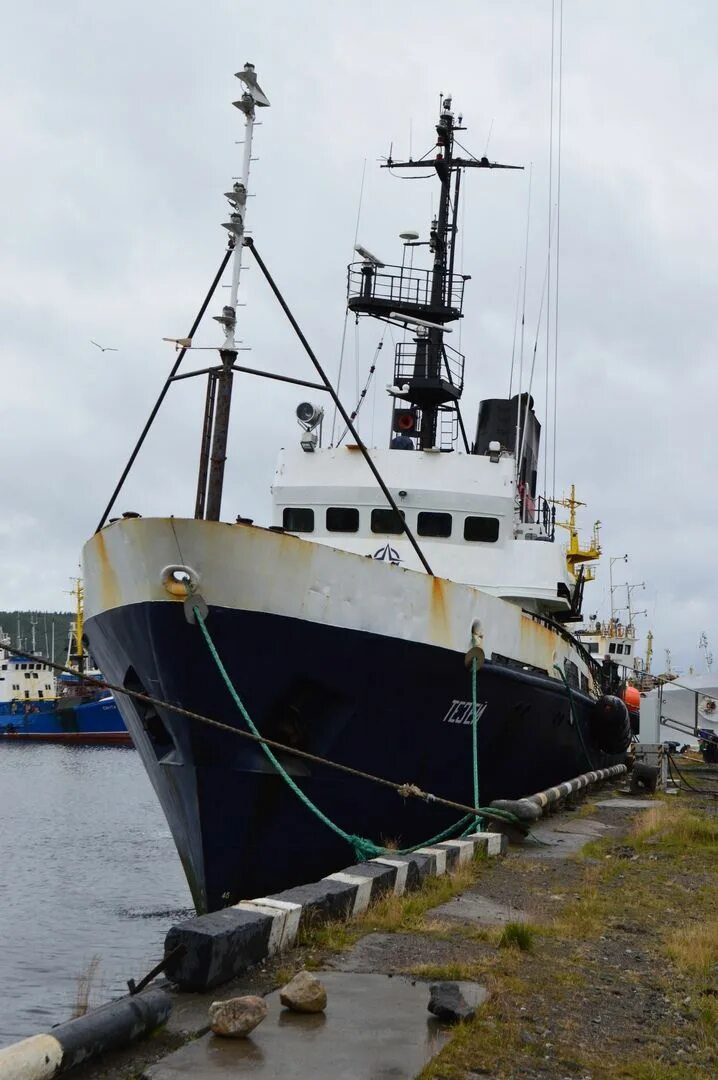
(65, 708)
(346, 624)
(27, 686)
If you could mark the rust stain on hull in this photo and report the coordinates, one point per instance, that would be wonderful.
(438, 615)
(109, 587)
(539, 641)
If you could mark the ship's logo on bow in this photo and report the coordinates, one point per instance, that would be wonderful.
(387, 554)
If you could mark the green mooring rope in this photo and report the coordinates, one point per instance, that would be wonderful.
(474, 732)
(363, 848)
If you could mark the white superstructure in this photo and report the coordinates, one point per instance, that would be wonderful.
(24, 682)
(461, 507)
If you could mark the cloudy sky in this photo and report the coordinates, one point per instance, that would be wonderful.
(119, 139)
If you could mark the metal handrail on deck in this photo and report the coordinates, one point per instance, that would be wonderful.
(403, 285)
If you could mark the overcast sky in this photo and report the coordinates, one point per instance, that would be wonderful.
(118, 139)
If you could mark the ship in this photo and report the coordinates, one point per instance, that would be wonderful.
(66, 708)
(351, 625)
(27, 686)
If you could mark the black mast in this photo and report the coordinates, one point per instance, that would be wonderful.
(428, 373)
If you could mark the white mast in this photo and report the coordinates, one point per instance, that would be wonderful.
(252, 97)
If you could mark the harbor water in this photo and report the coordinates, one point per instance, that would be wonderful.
(90, 879)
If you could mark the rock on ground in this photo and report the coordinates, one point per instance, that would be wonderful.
(455, 1001)
(304, 993)
(236, 1017)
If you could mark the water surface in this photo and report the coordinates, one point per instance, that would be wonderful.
(87, 869)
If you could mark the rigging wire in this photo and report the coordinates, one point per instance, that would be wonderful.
(533, 361)
(462, 234)
(558, 242)
(523, 317)
(346, 313)
(488, 137)
(362, 396)
(516, 323)
(548, 256)
(357, 385)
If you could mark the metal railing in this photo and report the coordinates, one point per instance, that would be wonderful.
(544, 514)
(411, 362)
(699, 714)
(403, 286)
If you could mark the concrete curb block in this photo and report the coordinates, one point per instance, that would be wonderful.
(113, 1025)
(224, 944)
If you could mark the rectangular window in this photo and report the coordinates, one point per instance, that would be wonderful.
(628, 650)
(612, 647)
(619, 648)
(485, 529)
(23, 667)
(592, 646)
(34, 674)
(387, 521)
(27, 693)
(431, 523)
(342, 519)
(297, 519)
(4, 667)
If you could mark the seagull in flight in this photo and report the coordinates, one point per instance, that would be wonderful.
(103, 348)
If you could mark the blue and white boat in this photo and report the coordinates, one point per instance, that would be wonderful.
(37, 707)
(27, 686)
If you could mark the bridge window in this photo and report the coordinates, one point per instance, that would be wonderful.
(485, 529)
(342, 519)
(592, 646)
(612, 647)
(627, 649)
(430, 523)
(387, 521)
(619, 648)
(298, 519)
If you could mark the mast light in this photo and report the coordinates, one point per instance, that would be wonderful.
(249, 77)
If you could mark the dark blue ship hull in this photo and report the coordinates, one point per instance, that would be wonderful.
(390, 707)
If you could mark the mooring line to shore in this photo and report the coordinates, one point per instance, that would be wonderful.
(406, 790)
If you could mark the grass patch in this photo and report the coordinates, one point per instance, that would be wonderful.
(672, 826)
(85, 986)
(694, 948)
(518, 935)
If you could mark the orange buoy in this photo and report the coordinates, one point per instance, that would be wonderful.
(632, 697)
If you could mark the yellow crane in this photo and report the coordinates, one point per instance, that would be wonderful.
(76, 656)
(649, 651)
(575, 554)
